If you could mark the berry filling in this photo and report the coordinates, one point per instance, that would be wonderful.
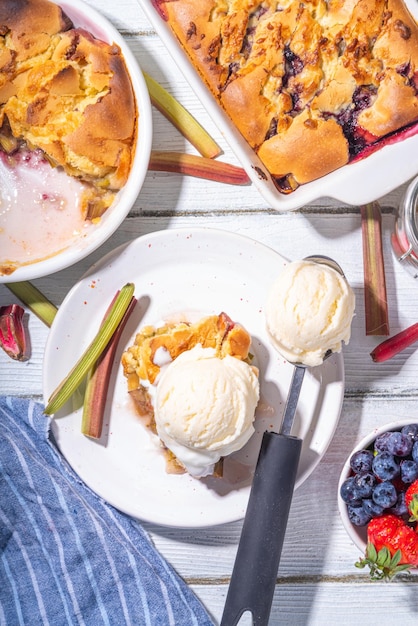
(357, 138)
(293, 65)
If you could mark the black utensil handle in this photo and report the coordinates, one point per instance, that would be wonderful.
(257, 561)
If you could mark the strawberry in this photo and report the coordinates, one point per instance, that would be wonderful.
(411, 500)
(392, 547)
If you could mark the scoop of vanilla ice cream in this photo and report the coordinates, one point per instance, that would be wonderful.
(205, 407)
(309, 311)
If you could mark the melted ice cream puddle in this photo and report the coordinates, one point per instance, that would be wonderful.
(40, 209)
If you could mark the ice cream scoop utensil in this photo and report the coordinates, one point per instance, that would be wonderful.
(257, 561)
(326, 260)
(255, 570)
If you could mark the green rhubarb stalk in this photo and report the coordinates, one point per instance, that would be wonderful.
(98, 380)
(199, 167)
(34, 300)
(375, 297)
(80, 370)
(188, 126)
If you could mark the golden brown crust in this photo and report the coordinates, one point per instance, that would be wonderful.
(193, 27)
(323, 149)
(107, 127)
(214, 331)
(393, 107)
(66, 92)
(29, 24)
(347, 67)
(248, 108)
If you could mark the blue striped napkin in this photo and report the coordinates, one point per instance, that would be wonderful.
(66, 556)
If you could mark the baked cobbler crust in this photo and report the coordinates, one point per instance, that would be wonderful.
(309, 84)
(67, 93)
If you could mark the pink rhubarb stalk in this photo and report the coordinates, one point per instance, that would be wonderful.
(200, 167)
(375, 298)
(98, 380)
(12, 332)
(392, 346)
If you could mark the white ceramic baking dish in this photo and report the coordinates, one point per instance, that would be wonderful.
(355, 184)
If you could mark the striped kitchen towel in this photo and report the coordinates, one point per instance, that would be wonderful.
(66, 556)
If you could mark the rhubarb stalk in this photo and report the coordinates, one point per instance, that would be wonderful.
(12, 332)
(98, 380)
(200, 167)
(34, 300)
(375, 298)
(392, 346)
(77, 374)
(188, 126)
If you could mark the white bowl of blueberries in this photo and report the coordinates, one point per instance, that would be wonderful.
(376, 477)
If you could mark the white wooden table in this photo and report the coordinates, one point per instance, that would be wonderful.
(317, 582)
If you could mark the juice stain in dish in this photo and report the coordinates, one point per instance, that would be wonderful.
(40, 209)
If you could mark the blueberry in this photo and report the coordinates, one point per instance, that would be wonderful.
(373, 509)
(385, 466)
(409, 471)
(358, 515)
(399, 508)
(411, 431)
(349, 492)
(385, 494)
(380, 443)
(399, 444)
(414, 452)
(365, 482)
(361, 461)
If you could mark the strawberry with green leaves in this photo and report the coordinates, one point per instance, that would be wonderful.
(392, 547)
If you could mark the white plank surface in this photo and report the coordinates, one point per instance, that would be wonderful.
(317, 583)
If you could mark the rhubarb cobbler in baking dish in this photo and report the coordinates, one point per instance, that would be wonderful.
(68, 126)
(312, 85)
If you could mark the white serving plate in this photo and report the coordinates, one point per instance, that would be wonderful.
(182, 272)
(355, 184)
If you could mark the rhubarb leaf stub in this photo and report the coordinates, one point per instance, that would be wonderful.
(12, 331)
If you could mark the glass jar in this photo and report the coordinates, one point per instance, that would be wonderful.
(405, 236)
